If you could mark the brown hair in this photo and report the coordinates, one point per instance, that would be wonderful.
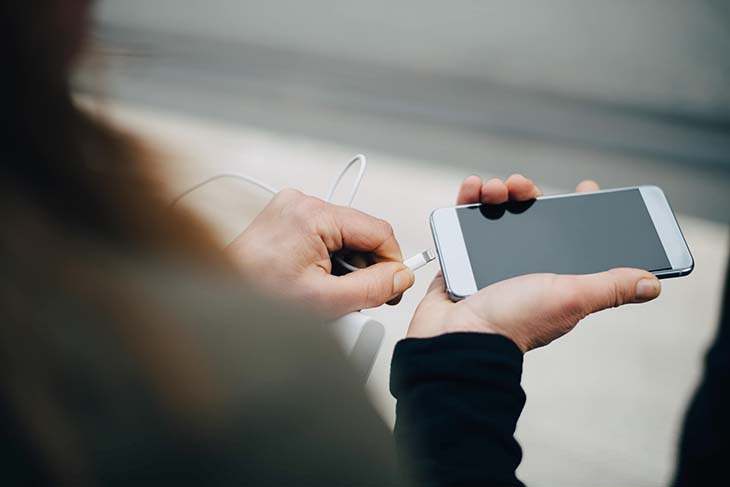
(74, 190)
(80, 170)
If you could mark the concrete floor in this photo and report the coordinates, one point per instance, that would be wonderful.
(604, 403)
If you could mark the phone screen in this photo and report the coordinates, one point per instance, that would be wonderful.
(574, 235)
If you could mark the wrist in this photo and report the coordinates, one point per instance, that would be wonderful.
(419, 331)
(435, 329)
(429, 324)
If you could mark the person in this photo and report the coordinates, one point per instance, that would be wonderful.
(135, 351)
(702, 447)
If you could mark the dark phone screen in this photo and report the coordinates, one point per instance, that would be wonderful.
(577, 235)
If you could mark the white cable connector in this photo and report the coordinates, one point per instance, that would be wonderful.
(414, 263)
(420, 260)
(360, 335)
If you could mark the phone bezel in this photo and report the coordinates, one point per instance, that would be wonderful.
(457, 270)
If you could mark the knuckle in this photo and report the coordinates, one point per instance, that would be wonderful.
(387, 228)
(288, 194)
(311, 204)
(306, 208)
(617, 294)
(285, 200)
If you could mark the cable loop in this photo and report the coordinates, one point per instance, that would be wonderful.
(328, 197)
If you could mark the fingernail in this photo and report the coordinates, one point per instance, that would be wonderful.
(647, 289)
(402, 280)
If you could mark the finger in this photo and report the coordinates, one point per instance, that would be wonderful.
(469, 191)
(521, 189)
(494, 192)
(352, 229)
(395, 300)
(438, 283)
(369, 287)
(594, 292)
(587, 186)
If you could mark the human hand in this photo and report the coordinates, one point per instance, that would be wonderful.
(531, 310)
(287, 248)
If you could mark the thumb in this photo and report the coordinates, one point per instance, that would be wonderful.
(369, 287)
(614, 288)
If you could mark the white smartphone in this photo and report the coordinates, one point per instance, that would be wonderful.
(579, 233)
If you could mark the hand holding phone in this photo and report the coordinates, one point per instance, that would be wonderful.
(580, 233)
(531, 310)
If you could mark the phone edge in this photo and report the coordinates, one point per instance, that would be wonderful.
(679, 272)
(439, 251)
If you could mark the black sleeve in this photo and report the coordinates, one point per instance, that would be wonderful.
(703, 444)
(459, 398)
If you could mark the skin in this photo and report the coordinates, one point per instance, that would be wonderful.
(531, 310)
(287, 248)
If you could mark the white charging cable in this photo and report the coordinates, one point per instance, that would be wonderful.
(360, 335)
(414, 263)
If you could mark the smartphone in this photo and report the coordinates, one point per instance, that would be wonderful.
(579, 233)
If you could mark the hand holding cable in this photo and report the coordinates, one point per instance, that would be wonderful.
(287, 249)
(290, 246)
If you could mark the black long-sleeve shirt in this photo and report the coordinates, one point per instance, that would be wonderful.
(459, 398)
(703, 445)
